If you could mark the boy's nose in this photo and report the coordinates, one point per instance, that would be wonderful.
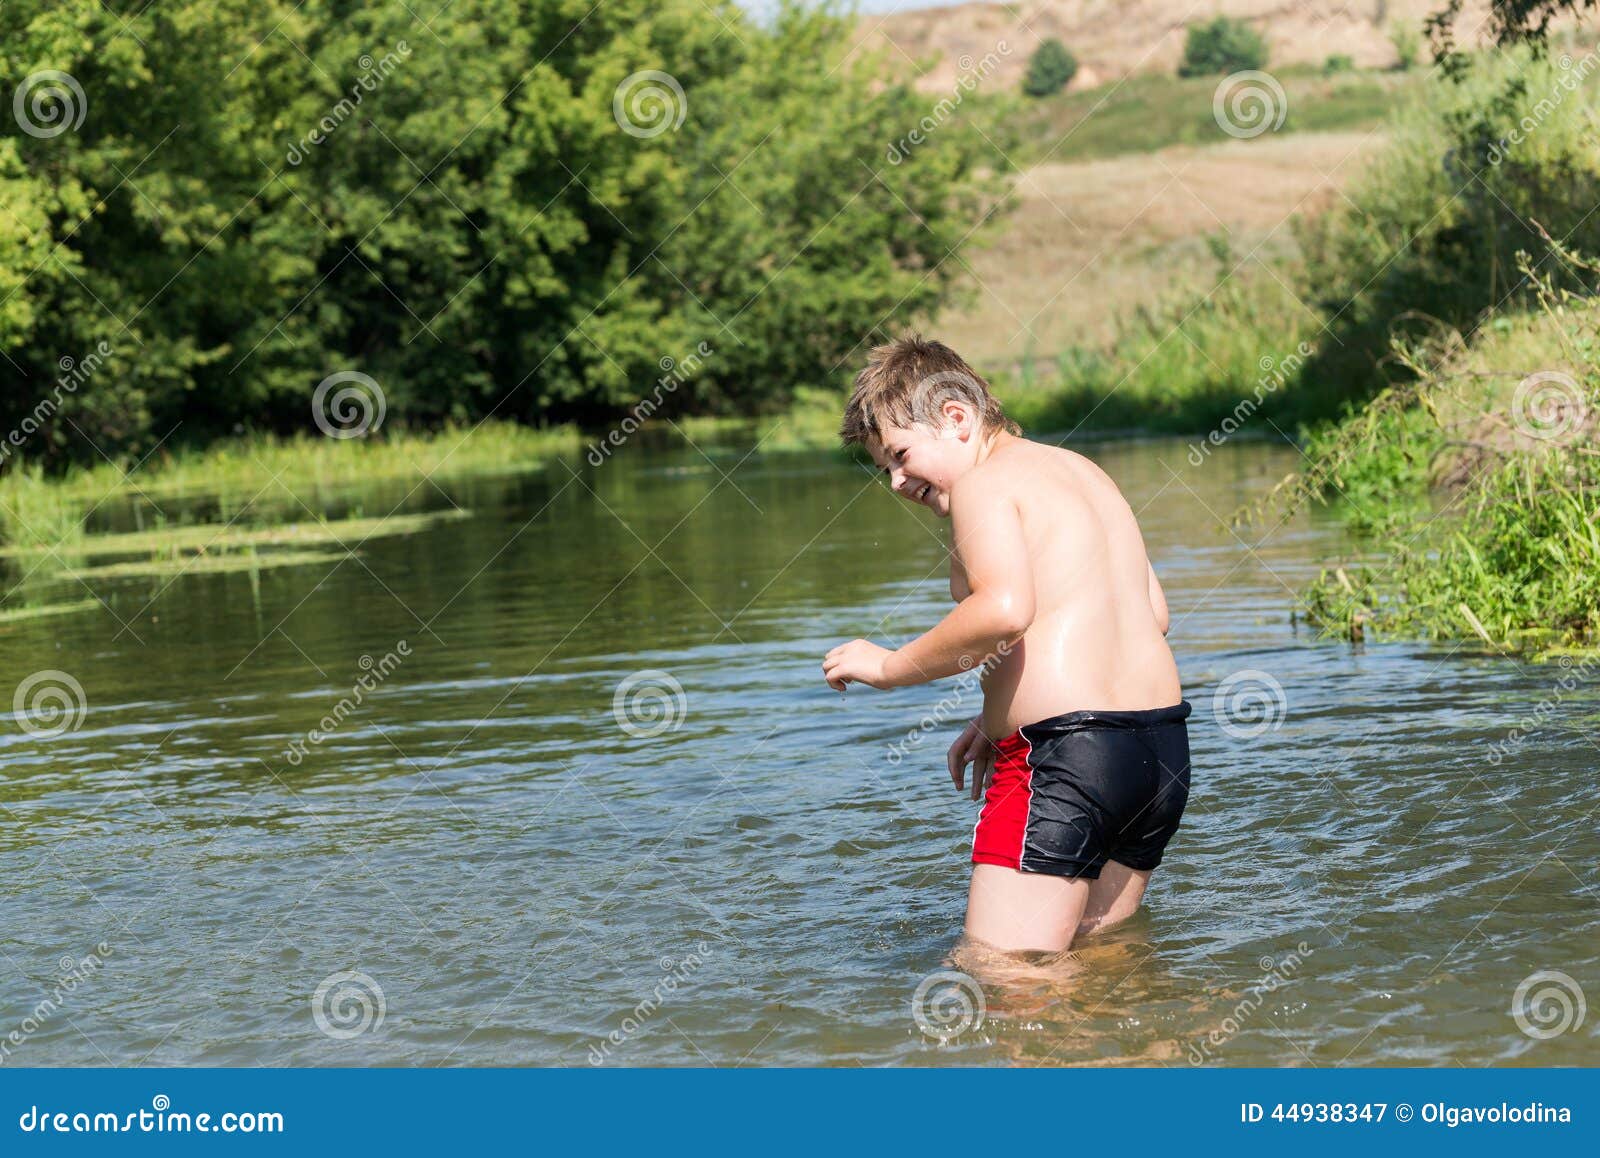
(897, 481)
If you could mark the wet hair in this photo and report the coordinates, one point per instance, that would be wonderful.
(908, 381)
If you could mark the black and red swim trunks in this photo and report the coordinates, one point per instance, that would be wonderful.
(1073, 791)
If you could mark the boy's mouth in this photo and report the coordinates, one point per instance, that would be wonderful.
(922, 495)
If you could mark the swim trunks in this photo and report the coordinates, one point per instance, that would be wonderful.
(1073, 791)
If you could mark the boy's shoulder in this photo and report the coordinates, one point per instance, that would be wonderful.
(1036, 477)
(1010, 470)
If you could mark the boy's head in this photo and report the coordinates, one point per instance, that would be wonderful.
(924, 416)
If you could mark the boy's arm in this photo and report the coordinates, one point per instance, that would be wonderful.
(999, 605)
(959, 587)
(1158, 600)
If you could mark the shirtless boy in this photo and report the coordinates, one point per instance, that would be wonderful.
(1081, 751)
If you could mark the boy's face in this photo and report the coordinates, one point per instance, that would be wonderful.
(923, 461)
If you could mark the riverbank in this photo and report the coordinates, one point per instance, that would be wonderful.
(246, 504)
(1474, 491)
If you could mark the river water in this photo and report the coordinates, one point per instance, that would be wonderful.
(596, 805)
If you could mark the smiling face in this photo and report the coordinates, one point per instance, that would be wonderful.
(924, 461)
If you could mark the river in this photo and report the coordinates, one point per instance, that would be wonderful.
(595, 805)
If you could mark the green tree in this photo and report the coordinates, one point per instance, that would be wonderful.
(1223, 45)
(521, 209)
(1050, 69)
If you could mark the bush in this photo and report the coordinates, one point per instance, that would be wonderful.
(1221, 46)
(1050, 69)
(1442, 213)
(1407, 43)
(1338, 62)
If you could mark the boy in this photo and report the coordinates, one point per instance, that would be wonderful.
(1082, 744)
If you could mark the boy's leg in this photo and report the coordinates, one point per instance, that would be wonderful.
(1017, 911)
(1113, 898)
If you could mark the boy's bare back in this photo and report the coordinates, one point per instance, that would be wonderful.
(1097, 637)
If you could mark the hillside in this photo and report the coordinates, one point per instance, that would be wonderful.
(1090, 241)
(1114, 38)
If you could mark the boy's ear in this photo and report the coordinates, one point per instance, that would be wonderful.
(959, 415)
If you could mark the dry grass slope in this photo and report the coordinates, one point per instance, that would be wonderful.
(1113, 38)
(1090, 241)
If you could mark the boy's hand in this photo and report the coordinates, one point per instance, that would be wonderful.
(972, 747)
(859, 661)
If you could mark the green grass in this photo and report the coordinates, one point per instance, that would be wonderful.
(1186, 369)
(43, 610)
(248, 559)
(1516, 563)
(1507, 550)
(39, 511)
(272, 498)
(1148, 112)
(197, 539)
